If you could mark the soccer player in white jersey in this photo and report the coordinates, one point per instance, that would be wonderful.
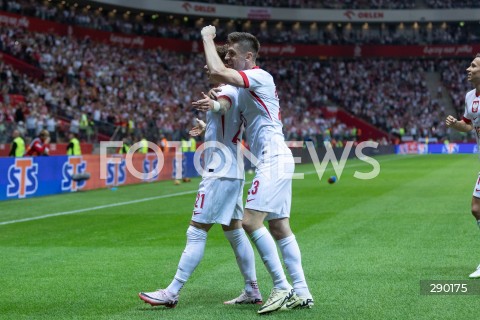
(269, 198)
(471, 121)
(219, 200)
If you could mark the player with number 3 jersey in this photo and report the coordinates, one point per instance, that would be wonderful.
(269, 197)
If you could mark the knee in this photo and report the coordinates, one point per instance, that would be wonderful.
(248, 226)
(234, 224)
(476, 210)
(280, 228)
(201, 226)
(277, 233)
(250, 222)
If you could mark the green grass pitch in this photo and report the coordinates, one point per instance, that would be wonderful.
(366, 244)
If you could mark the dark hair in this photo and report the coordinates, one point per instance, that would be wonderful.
(246, 41)
(222, 51)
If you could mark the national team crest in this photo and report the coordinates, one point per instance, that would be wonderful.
(475, 106)
(22, 178)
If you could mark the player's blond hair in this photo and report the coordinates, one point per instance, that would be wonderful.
(44, 133)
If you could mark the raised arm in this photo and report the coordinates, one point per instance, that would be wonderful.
(218, 72)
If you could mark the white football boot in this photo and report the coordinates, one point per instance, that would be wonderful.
(245, 298)
(475, 274)
(277, 299)
(160, 297)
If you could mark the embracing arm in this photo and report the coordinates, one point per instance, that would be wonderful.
(198, 129)
(206, 104)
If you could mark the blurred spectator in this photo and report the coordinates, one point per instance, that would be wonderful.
(40, 145)
(73, 147)
(17, 147)
(51, 125)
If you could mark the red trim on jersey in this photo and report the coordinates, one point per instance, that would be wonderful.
(223, 125)
(261, 102)
(467, 121)
(235, 137)
(246, 83)
(225, 97)
(256, 67)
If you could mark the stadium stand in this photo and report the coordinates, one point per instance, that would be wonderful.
(171, 26)
(349, 4)
(126, 91)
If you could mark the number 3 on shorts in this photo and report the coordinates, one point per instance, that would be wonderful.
(254, 188)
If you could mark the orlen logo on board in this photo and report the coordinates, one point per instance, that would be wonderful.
(22, 178)
(198, 8)
(74, 165)
(363, 14)
(116, 173)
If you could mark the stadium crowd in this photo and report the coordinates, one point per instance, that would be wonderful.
(131, 89)
(452, 4)
(335, 4)
(101, 88)
(390, 94)
(453, 77)
(352, 4)
(121, 87)
(168, 26)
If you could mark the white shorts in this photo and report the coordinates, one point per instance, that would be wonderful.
(219, 200)
(476, 189)
(271, 189)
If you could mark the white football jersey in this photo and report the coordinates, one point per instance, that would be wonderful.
(260, 109)
(222, 135)
(472, 112)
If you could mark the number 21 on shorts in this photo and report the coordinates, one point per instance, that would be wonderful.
(200, 200)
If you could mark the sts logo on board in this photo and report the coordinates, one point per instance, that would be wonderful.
(116, 173)
(22, 178)
(74, 165)
(150, 167)
(450, 148)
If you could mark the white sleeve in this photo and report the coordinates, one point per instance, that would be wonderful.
(255, 78)
(465, 113)
(230, 93)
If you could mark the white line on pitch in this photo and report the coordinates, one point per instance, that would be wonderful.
(97, 207)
